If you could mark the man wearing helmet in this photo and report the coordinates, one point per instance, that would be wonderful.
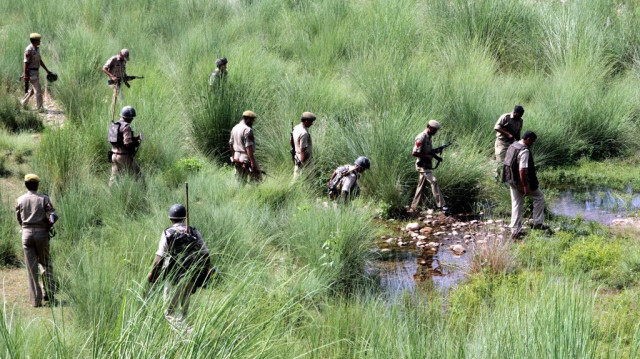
(31, 71)
(124, 146)
(424, 152)
(344, 181)
(219, 75)
(116, 69)
(181, 260)
(243, 149)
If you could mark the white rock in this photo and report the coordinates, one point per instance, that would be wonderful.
(413, 226)
(468, 236)
(385, 250)
(421, 237)
(458, 249)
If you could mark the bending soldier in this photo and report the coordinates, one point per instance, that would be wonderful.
(36, 216)
(424, 151)
(243, 149)
(520, 172)
(183, 262)
(507, 129)
(303, 156)
(31, 71)
(344, 180)
(124, 146)
(219, 75)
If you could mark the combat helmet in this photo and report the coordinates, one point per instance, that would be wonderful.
(363, 162)
(177, 211)
(128, 112)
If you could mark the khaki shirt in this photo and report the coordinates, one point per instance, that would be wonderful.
(127, 138)
(302, 141)
(217, 74)
(32, 58)
(163, 246)
(241, 138)
(116, 67)
(33, 210)
(509, 124)
(423, 146)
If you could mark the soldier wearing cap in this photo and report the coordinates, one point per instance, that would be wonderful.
(303, 157)
(243, 149)
(116, 69)
(508, 128)
(36, 216)
(31, 71)
(125, 147)
(423, 150)
(220, 73)
(183, 262)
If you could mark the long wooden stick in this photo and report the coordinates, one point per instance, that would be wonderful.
(115, 98)
(186, 188)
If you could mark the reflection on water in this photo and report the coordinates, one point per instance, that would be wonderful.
(602, 205)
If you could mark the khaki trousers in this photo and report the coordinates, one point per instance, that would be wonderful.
(517, 203)
(34, 89)
(177, 295)
(501, 152)
(35, 242)
(300, 170)
(124, 164)
(426, 176)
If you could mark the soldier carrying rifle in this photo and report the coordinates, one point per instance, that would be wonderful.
(116, 69)
(243, 149)
(425, 153)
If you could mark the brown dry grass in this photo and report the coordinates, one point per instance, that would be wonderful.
(494, 256)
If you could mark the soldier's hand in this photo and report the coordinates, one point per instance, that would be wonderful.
(25, 78)
(114, 78)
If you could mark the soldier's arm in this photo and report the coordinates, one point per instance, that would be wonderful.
(50, 211)
(105, 69)
(504, 132)
(25, 75)
(18, 217)
(155, 269)
(44, 66)
(252, 158)
(304, 144)
(127, 137)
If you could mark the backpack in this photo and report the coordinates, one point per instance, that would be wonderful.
(114, 136)
(184, 254)
(333, 183)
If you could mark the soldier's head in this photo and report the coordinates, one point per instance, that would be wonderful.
(221, 63)
(177, 213)
(307, 119)
(529, 138)
(518, 111)
(31, 181)
(248, 117)
(362, 164)
(432, 127)
(124, 53)
(128, 113)
(35, 38)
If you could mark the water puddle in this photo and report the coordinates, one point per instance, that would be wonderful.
(600, 205)
(434, 254)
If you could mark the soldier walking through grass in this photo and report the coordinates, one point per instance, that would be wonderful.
(124, 146)
(182, 262)
(243, 147)
(303, 156)
(520, 172)
(219, 75)
(424, 151)
(31, 71)
(508, 128)
(116, 69)
(36, 216)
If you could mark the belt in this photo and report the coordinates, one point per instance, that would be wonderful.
(34, 226)
(33, 68)
(121, 153)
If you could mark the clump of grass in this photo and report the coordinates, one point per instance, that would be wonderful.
(495, 257)
(13, 118)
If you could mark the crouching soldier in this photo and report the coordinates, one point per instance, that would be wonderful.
(344, 181)
(36, 216)
(182, 262)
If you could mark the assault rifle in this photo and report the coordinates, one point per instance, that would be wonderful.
(296, 161)
(123, 79)
(247, 165)
(508, 128)
(434, 152)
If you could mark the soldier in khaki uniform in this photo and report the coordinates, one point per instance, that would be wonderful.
(219, 75)
(243, 149)
(508, 128)
(302, 143)
(520, 172)
(423, 150)
(116, 68)
(36, 215)
(125, 148)
(31, 71)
